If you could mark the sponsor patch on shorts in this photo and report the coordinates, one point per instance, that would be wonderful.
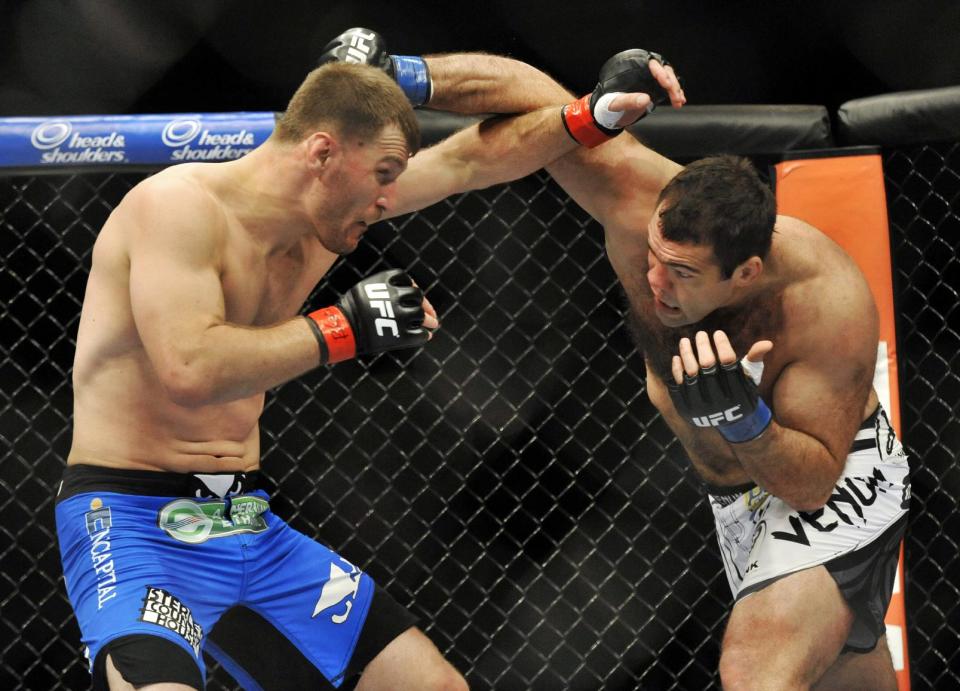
(99, 520)
(194, 522)
(163, 609)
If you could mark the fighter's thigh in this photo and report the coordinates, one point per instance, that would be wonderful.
(411, 661)
(793, 629)
(317, 614)
(145, 662)
(126, 579)
(117, 682)
(856, 671)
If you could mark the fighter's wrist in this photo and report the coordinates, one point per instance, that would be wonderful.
(749, 427)
(413, 76)
(582, 126)
(334, 334)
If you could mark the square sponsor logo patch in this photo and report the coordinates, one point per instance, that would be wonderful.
(163, 609)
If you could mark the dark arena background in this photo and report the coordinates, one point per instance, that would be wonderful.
(510, 482)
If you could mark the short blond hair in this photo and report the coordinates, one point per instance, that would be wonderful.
(354, 100)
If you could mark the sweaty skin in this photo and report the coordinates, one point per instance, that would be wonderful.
(810, 299)
(808, 332)
(188, 259)
(806, 302)
(189, 314)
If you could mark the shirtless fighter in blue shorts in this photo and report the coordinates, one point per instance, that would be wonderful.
(190, 315)
(761, 340)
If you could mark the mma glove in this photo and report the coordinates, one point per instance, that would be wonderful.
(368, 48)
(382, 312)
(589, 121)
(724, 397)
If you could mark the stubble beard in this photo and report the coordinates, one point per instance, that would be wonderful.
(744, 324)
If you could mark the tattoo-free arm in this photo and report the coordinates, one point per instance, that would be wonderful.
(482, 83)
(616, 183)
(502, 150)
(818, 407)
(492, 152)
(178, 304)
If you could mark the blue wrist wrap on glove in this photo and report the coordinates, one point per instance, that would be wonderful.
(748, 427)
(412, 75)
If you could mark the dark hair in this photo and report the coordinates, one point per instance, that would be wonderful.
(355, 100)
(722, 202)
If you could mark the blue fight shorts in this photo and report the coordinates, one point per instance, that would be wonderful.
(163, 567)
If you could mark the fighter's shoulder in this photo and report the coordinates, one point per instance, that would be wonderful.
(828, 302)
(182, 189)
(176, 200)
(816, 258)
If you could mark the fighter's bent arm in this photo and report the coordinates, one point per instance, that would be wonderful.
(178, 304)
(803, 452)
(818, 402)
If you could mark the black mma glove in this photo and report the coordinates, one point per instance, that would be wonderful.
(589, 121)
(368, 48)
(382, 312)
(725, 397)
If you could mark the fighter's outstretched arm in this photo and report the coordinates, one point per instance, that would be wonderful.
(483, 83)
(616, 183)
(494, 151)
(620, 172)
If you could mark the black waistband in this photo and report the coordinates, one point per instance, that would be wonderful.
(79, 479)
(871, 420)
(718, 491)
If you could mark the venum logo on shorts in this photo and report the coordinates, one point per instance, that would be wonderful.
(163, 609)
(191, 142)
(340, 589)
(851, 497)
(98, 521)
(194, 522)
(60, 143)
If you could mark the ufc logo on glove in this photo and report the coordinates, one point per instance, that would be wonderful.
(359, 49)
(379, 298)
(382, 312)
(721, 418)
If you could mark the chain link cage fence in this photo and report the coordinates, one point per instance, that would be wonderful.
(509, 482)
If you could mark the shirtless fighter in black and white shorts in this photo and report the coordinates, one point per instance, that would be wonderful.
(761, 340)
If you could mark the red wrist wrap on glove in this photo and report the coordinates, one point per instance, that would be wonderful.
(334, 334)
(580, 124)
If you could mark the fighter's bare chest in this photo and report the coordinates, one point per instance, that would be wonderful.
(762, 319)
(266, 292)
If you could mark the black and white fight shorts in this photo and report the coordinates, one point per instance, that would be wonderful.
(856, 535)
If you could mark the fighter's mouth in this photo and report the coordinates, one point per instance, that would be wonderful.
(665, 305)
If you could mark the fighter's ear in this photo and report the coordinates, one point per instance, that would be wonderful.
(321, 146)
(748, 271)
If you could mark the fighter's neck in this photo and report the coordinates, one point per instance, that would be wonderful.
(264, 191)
(746, 321)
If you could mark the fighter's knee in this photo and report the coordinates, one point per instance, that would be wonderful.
(735, 670)
(742, 669)
(446, 678)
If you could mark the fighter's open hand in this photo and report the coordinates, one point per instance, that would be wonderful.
(667, 78)
(705, 357)
(721, 395)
